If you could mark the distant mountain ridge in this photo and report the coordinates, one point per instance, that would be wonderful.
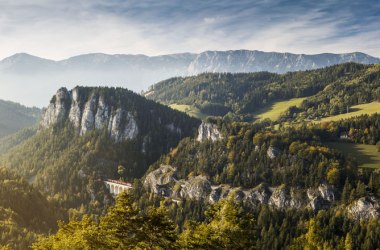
(28, 75)
(191, 63)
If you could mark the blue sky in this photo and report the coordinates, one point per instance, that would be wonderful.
(60, 29)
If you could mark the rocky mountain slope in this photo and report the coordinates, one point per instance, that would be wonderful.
(89, 134)
(27, 74)
(254, 165)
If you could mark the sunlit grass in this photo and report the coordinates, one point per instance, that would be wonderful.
(366, 155)
(188, 109)
(367, 108)
(274, 111)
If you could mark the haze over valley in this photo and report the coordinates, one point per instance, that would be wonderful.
(31, 80)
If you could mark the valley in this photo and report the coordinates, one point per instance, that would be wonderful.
(189, 125)
(137, 72)
(261, 150)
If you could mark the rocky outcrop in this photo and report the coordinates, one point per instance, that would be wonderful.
(327, 192)
(57, 109)
(273, 152)
(163, 181)
(91, 113)
(321, 197)
(364, 208)
(260, 194)
(163, 176)
(279, 198)
(75, 115)
(117, 131)
(208, 131)
(196, 188)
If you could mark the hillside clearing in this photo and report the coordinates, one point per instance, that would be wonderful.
(188, 109)
(366, 155)
(362, 109)
(274, 110)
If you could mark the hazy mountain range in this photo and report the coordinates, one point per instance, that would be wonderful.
(32, 80)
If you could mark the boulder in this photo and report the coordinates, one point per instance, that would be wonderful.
(364, 208)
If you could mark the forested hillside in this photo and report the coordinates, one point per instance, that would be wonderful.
(90, 134)
(14, 117)
(254, 187)
(330, 91)
(212, 184)
(24, 213)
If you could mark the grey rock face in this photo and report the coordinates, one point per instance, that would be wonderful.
(130, 129)
(163, 181)
(94, 113)
(273, 152)
(321, 197)
(260, 194)
(327, 192)
(196, 188)
(56, 110)
(365, 208)
(88, 117)
(102, 114)
(208, 131)
(75, 115)
(163, 176)
(279, 198)
(215, 194)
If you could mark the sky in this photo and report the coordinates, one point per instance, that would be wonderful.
(60, 29)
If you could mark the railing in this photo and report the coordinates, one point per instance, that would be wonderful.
(120, 182)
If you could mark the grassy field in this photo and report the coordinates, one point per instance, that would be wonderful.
(366, 155)
(368, 108)
(188, 109)
(274, 111)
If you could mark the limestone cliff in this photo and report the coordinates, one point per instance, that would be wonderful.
(208, 131)
(163, 181)
(89, 114)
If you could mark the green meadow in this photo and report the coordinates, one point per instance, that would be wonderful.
(188, 109)
(367, 108)
(366, 155)
(274, 110)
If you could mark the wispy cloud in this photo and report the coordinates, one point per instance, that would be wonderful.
(58, 29)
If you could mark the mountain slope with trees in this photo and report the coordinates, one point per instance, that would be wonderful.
(15, 117)
(25, 213)
(79, 144)
(329, 91)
